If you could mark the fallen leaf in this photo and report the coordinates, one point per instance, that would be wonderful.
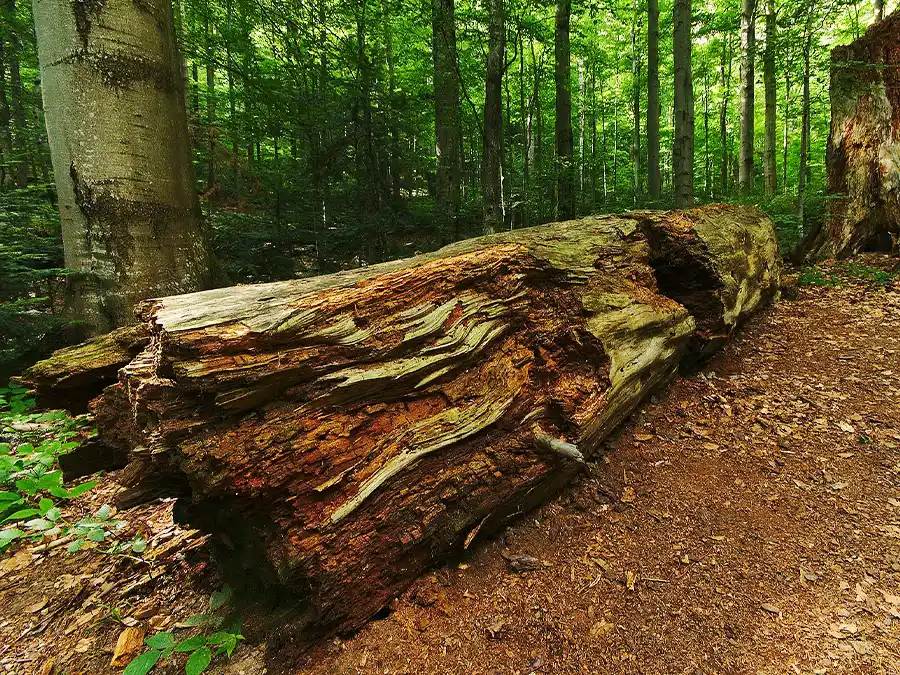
(601, 629)
(630, 580)
(47, 667)
(130, 642)
(642, 438)
(770, 608)
(628, 495)
(845, 426)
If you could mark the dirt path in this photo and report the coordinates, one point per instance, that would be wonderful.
(748, 521)
(755, 527)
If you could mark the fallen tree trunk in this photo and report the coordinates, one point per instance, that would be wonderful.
(343, 433)
(863, 158)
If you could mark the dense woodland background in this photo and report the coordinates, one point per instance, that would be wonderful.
(314, 127)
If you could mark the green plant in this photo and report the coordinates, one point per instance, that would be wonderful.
(201, 648)
(815, 276)
(857, 270)
(30, 484)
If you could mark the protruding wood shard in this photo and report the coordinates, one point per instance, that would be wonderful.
(348, 431)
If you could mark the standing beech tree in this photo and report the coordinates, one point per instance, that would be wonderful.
(114, 104)
(446, 114)
(654, 182)
(492, 165)
(683, 147)
(770, 168)
(565, 180)
(748, 83)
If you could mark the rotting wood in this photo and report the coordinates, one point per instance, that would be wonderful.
(863, 158)
(341, 434)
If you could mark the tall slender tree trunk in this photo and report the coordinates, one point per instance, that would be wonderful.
(5, 117)
(525, 118)
(603, 142)
(615, 171)
(784, 142)
(725, 72)
(770, 167)
(804, 132)
(131, 238)
(565, 202)
(654, 180)
(748, 81)
(232, 105)
(636, 105)
(683, 147)
(582, 120)
(707, 160)
(879, 9)
(446, 116)
(394, 163)
(593, 127)
(492, 164)
(20, 135)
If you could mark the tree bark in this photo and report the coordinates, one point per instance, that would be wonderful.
(492, 161)
(636, 105)
(746, 170)
(115, 116)
(20, 135)
(770, 167)
(878, 5)
(5, 118)
(725, 72)
(344, 433)
(804, 129)
(683, 147)
(863, 158)
(565, 169)
(654, 179)
(446, 115)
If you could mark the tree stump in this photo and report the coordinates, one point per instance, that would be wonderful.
(343, 433)
(863, 159)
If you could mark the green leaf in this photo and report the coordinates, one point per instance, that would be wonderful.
(96, 535)
(80, 489)
(9, 496)
(10, 534)
(191, 644)
(75, 546)
(22, 514)
(139, 545)
(142, 664)
(104, 512)
(45, 505)
(39, 524)
(219, 598)
(27, 485)
(161, 641)
(50, 480)
(198, 662)
(53, 514)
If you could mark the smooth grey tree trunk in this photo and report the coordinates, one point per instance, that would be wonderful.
(114, 106)
(565, 179)
(654, 181)
(748, 81)
(492, 161)
(20, 136)
(5, 117)
(725, 72)
(683, 146)
(446, 115)
(636, 105)
(770, 168)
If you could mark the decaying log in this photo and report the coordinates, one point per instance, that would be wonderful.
(75, 375)
(343, 433)
(863, 158)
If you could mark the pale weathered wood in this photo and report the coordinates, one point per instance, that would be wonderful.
(345, 432)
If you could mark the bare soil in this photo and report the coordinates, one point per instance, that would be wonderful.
(746, 521)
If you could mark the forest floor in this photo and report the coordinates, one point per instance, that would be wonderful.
(746, 521)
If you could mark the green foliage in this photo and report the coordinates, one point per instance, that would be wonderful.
(844, 272)
(31, 484)
(30, 260)
(202, 648)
